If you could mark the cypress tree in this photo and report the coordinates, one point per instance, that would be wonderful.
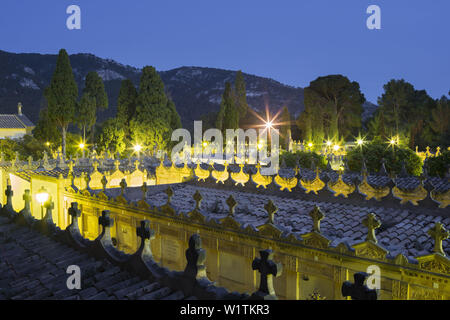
(228, 117)
(241, 95)
(62, 95)
(155, 115)
(85, 115)
(285, 128)
(126, 103)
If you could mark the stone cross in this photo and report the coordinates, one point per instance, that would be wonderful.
(231, 205)
(438, 233)
(144, 190)
(70, 166)
(116, 165)
(267, 269)
(49, 206)
(258, 166)
(198, 200)
(104, 182)
(196, 257)
(371, 223)
(271, 209)
(358, 290)
(87, 179)
(169, 193)
(95, 166)
(316, 214)
(123, 185)
(9, 193)
(27, 198)
(105, 220)
(74, 212)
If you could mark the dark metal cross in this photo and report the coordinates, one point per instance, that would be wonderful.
(74, 212)
(144, 232)
(358, 290)
(268, 269)
(105, 220)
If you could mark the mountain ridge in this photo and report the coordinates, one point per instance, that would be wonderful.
(196, 91)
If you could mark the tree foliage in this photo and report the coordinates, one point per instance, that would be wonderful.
(112, 136)
(305, 159)
(155, 115)
(376, 150)
(240, 95)
(228, 116)
(405, 112)
(333, 108)
(62, 95)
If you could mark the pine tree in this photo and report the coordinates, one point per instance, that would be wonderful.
(46, 130)
(240, 95)
(62, 95)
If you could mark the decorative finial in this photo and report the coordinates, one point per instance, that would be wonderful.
(316, 214)
(371, 223)
(231, 205)
(198, 200)
(271, 209)
(438, 233)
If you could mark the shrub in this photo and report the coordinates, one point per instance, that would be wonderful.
(438, 166)
(375, 151)
(304, 159)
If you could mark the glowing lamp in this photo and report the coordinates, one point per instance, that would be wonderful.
(81, 145)
(329, 143)
(269, 124)
(336, 147)
(310, 144)
(359, 142)
(42, 196)
(137, 148)
(205, 144)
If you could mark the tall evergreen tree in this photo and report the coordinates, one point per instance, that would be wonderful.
(285, 128)
(126, 102)
(85, 115)
(228, 117)
(154, 115)
(240, 95)
(46, 130)
(62, 95)
(95, 88)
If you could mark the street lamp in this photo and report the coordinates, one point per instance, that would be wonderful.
(42, 197)
(82, 147)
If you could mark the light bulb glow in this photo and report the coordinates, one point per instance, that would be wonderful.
(137, 148)
(42, 196)
(336, 147)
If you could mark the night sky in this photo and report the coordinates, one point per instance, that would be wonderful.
(293, 42)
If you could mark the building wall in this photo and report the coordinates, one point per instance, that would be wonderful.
(13, 133)
(230, 255)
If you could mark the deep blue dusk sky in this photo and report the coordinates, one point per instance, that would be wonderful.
(293, 42)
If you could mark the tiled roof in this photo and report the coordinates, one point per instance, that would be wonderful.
(33, 267)
(14, 121)
(402, 231)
